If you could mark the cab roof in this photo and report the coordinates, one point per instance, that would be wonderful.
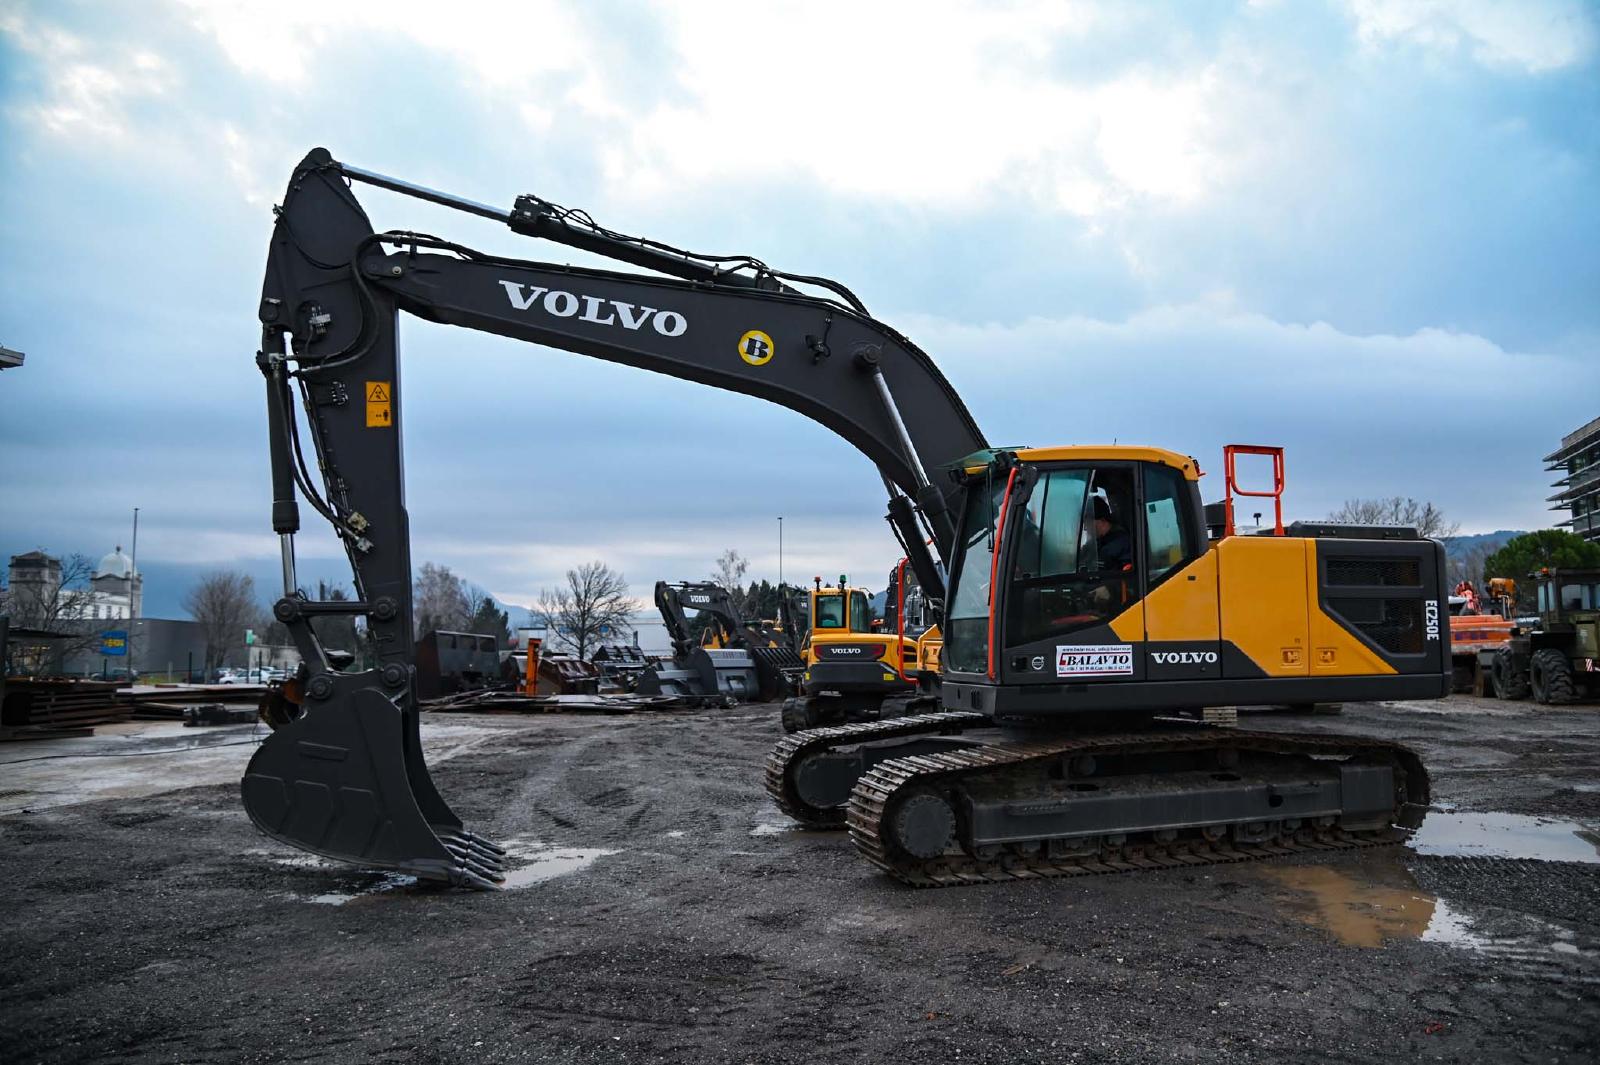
(1105, 453)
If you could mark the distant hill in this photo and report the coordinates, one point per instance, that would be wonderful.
(1459, 547)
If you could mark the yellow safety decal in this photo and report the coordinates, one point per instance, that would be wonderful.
(379, 397)
(757, 348)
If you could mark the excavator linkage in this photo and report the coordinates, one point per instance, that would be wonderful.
(343, 775)
(346, 780)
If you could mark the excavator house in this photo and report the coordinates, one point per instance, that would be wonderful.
(1091, 608)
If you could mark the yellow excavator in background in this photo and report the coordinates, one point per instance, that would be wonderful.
(861, 668)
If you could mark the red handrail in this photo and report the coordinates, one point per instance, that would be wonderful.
(1276, 495)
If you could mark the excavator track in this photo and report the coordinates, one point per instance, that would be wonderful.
(793, 749)
(877, 792)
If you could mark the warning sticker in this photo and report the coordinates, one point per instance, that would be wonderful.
(1094, 660)
(379, 398)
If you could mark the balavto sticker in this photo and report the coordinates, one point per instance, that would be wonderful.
(1094, 660)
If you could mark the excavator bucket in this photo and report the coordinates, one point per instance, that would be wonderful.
(346, 779)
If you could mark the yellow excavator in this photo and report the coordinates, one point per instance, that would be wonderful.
(1091, 606)
(860, 668)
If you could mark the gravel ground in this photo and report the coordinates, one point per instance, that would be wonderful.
(670, 915)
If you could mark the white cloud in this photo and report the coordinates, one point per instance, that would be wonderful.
(936, 104)
(87, 86)
(500, 43)
(1361, 415)
(1534, 35)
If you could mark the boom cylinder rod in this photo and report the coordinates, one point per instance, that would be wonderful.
(422, 192)
(286, 547)
(530, 218)
(899, 424)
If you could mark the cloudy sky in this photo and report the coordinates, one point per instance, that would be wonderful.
(1366, 231)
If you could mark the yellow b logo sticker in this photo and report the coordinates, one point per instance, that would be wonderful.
(757, 348)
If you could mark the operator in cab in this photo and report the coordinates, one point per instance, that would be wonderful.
(1113, 545)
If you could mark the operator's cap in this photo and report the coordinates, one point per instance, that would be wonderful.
(1102, 509)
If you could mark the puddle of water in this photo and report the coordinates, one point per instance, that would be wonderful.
(789, 828)
(1497, 835)
(544, 862)
(387, 883)
(1359, 913)
(303, 861)
(1448, 926)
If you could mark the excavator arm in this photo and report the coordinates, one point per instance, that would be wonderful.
(346, 778)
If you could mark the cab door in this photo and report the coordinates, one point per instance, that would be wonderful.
(1182, 625)
(1067, 585)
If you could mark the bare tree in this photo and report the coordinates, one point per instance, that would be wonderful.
(1427, 519)
(60, 601)
(1469, 565)
(223, 602)
(729, 576)
(594, 604)
(441, 600)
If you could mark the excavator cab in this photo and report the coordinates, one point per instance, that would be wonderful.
(839, 609)
(1083, 581)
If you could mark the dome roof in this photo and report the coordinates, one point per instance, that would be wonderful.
(115, 564)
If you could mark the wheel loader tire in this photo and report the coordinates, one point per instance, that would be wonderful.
(1509, 681)
(1551, 673)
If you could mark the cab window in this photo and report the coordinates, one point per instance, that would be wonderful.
(1167, 518)
(966, 639)
(860, 612)
(1073, 566)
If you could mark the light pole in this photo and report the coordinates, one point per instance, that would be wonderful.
(780, 550)
(133, 610)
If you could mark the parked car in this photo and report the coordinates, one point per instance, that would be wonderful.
(264, 675)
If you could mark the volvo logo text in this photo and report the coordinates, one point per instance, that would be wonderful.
(559, 304)
(1171, 658)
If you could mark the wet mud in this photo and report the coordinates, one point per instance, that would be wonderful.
(661, 911)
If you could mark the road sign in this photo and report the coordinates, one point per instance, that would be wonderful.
(114, 642)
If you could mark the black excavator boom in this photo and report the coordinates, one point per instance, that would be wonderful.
(344, 776)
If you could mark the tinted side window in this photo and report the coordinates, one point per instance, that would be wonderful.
(860, 613)
(1167, 519)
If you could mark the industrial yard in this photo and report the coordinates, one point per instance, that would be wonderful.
(661, 910)
(787, 533)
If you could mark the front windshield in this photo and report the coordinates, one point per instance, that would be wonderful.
(966, 638)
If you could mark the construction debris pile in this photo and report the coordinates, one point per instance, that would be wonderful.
(40, 707)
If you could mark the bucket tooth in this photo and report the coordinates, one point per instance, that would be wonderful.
(347, 780)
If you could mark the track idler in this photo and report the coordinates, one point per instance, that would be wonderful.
(346, 779)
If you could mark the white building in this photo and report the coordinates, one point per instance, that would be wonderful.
(115, 590)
